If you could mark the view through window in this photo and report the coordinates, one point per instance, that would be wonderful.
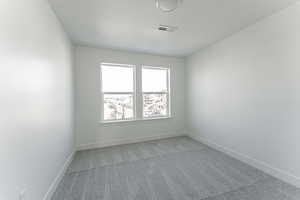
(119, 93)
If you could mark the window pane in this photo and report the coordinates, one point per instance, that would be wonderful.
(118, 106)
(117, 79)
(154, 80)
(155, 105)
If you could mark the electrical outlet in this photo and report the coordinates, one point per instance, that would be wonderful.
(22, 194)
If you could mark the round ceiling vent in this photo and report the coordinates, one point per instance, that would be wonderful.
(168, 5)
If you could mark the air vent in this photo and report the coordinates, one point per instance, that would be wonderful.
(167, 28)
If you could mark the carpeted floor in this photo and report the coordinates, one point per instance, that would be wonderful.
(169, 169)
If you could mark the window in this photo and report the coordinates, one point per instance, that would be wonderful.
(155, 86)
(118, 92)
(134, 93)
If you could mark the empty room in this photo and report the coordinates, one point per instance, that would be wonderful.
(150, 100)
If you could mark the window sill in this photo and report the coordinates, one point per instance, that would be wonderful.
(134, 120)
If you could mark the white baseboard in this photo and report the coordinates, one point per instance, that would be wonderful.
(265, 167)
(100, 144)
(58, 178)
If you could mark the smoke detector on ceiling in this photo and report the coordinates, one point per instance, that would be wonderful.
(167, 28)
(168, 5)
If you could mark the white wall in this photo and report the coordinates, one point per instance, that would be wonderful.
(35, 98)
(244, 94)
(89, 131)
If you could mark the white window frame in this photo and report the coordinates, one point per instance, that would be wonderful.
(168, 93)
(137, 94)
(112, 93)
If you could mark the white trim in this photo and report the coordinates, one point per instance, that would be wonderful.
(101, 144)
(157, 117)
(169, 91)
(155, 67)
(117, 64)
(261, 165)
(134, 120)
(155, 92)
(58, 178)
(112, 93)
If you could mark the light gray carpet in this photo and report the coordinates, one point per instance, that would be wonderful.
(170, 169)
